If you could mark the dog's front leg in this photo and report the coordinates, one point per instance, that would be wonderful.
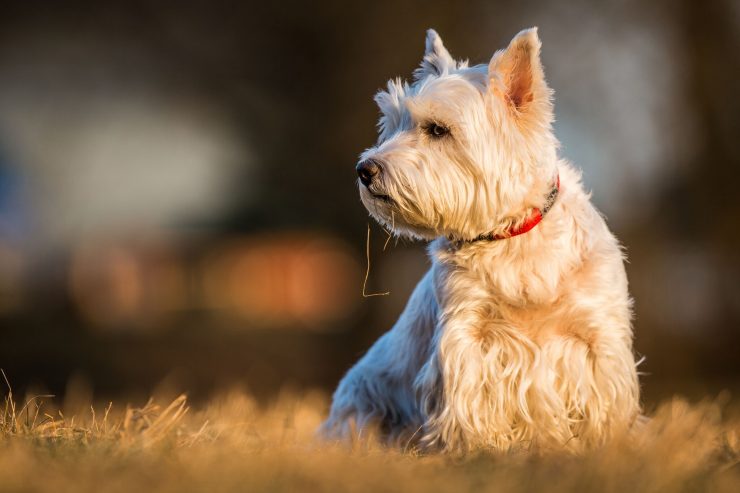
(376, 395)
(474, 387)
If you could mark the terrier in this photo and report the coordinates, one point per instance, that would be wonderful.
(519, 336)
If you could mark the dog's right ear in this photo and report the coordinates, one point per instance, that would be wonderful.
(437, 59)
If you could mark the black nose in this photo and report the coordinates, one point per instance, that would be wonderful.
(366, 170)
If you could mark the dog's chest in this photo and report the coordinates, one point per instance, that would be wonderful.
(504, 303)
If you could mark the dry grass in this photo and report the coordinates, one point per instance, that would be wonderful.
(234, 445)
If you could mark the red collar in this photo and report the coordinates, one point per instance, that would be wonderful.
(533, 220)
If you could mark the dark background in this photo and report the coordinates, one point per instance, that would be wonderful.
(177, 192)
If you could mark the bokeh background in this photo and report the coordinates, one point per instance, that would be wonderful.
(177, 190)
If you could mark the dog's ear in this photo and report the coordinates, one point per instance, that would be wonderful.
(516, 74)
(437, 59)
(389, 103)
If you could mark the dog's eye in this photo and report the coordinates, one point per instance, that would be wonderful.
(436, 130)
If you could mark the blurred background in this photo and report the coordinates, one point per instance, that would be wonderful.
(177, 189)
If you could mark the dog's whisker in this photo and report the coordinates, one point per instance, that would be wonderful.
(389, 233)
(367, 271)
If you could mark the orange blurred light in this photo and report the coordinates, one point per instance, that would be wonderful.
(281, 280)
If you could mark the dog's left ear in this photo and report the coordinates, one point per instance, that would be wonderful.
(516, 74)
(437, 59)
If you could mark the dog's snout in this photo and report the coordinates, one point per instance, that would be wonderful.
(367, 170)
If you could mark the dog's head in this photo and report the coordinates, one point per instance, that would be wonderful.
(462, 151)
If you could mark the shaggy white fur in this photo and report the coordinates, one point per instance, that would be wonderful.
(524, 342)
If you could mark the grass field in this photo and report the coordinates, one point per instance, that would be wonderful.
(232, 444)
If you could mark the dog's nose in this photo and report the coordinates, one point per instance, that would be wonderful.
(366, 170)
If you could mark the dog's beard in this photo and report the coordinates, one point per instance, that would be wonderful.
(385, 209)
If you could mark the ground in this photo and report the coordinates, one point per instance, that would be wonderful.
(233, 444)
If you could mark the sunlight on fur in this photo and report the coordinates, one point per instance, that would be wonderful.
(519, 337)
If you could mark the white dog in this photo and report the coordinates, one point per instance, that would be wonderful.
(519, 336)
